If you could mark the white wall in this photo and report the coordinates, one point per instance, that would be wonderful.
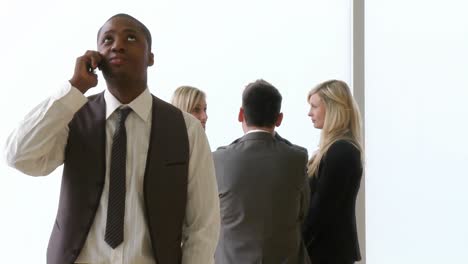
(218, 46)
(416, 131)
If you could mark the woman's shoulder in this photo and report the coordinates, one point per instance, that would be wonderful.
(344, 143)
(342, 148)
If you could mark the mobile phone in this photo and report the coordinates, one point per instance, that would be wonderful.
(91, 70)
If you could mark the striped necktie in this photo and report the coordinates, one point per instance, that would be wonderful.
(116, 205)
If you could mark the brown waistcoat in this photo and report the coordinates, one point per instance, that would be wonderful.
(165, 182)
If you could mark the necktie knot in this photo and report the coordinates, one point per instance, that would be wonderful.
(123, 113)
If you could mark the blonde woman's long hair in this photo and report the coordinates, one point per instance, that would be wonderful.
(187, 97)
(342, 120)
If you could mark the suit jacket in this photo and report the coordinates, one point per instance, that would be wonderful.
(84, 175)
(263, 193)
(330, 230)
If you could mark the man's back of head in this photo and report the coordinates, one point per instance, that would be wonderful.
(261, 102)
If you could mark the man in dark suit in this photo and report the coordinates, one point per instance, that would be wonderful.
(262, 186)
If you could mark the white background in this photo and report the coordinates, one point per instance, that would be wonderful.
(417, 131)
(217, 46)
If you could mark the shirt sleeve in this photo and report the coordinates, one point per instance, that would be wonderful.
(202, 219)
(36, 147)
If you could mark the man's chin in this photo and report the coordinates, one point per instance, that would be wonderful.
(115, 75)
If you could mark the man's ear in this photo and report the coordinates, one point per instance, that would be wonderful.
(151, 59)
(240, 117)
(279, 119)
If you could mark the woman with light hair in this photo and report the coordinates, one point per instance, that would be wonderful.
(335, 172)
(191, 100)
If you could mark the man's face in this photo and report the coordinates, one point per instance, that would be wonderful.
(124, 48)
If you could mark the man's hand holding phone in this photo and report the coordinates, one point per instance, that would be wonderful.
(84, 76)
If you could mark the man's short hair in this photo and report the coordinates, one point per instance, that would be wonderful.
(261, 102)
(142, 26)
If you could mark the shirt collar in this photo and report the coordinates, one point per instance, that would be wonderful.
(259, 130)
(140, 105)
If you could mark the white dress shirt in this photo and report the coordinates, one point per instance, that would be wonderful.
(37, 148)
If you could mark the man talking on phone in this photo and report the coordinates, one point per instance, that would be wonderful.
(138, 183)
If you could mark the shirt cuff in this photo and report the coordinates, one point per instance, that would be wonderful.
(70, 97)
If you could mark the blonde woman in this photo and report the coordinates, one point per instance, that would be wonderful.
(335, 172)
(191, 100)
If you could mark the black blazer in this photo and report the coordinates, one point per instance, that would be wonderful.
(330, 230)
